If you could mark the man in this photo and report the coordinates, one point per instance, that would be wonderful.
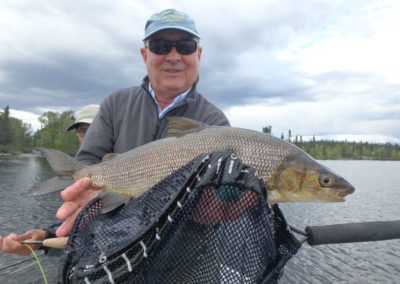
(135, 116)
(83, 118)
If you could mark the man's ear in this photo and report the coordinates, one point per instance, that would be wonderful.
(144, 54)
(199, 50)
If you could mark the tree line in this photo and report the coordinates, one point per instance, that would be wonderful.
(337, 150)
(15, 135)
(18, 137)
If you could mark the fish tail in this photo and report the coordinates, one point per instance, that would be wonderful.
(63, 165)
(51, 185)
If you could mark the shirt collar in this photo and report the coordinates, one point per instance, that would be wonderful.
(175, 102)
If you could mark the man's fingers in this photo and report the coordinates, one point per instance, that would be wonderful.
(76, 197)
(66, 227)
(34, 234)
(13, 237)
(10, 245)
(66, 210)
(74, 190)
(63, 230)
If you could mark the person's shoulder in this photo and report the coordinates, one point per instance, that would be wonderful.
(199, 99)
(134, 90)
(207, 112)
(125, 94)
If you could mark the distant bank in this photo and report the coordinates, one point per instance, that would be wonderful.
(344, 150)
(18, 137)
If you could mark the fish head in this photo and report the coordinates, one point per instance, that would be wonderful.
(299, 178)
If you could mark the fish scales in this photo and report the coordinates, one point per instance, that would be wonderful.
(289, 173)
(145, 166)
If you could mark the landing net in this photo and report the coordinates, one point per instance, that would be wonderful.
(209, 222)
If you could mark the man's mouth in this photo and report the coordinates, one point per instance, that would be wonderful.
(173, 70)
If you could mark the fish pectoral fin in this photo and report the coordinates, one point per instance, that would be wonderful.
(274, 197)
(110, 156)
(180, 126)
(51, 185)
(111, 200)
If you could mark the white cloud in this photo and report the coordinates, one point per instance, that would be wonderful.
(27, 117)
(335, 117)
(342, 47)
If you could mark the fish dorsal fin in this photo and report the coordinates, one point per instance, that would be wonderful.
(180, 126)
(109, 156)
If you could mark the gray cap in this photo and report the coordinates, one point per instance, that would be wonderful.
(170, 19)
(84, 115)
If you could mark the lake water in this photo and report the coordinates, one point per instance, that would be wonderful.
(377, 198)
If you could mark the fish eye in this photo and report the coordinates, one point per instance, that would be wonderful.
(326, 180)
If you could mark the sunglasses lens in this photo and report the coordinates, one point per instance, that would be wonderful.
(186, 46)
(81, 131)
(163, 47)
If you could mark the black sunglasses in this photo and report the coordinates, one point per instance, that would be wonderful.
(81, 131)
(163, 47)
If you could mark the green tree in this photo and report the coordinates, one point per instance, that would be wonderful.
(21, 135)
(15, 136)
(5, 127)
(53, 133)
(267, 129)
(330, 149)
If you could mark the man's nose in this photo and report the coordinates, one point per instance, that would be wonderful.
(173, 55)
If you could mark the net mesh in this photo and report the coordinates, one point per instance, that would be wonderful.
(208, 222)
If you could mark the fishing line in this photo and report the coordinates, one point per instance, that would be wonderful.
(12, 272)
(38, 262)
(17, 263)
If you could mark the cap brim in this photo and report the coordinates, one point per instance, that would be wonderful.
(189, 31)
(75, 124)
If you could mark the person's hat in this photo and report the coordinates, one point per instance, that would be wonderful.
(84, 115)
(170, 19)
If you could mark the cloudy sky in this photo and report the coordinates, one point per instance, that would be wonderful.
(325, 68)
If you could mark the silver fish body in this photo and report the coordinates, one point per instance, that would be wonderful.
(288, 172)
(140, 169)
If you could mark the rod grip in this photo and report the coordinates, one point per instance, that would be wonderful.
(55, 242)
(353, 232)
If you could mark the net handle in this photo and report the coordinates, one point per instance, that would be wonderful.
(353, 232)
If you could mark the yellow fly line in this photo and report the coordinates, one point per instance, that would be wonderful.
(38, 262)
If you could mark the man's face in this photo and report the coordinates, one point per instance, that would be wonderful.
(173, 73)
(81, 131)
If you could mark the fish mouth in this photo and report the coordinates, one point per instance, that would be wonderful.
(341, 193)
(339, 198)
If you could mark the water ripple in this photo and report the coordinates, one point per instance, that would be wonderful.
(376, 199)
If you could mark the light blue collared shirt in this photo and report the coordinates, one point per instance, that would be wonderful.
(175, 102)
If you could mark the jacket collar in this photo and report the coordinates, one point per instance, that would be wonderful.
(191, 95)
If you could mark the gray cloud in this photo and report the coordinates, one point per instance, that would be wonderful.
(54, 55)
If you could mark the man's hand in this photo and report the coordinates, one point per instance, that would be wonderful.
(76, 197)
(11, 243)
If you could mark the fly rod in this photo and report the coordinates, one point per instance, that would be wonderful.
(50, 243)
